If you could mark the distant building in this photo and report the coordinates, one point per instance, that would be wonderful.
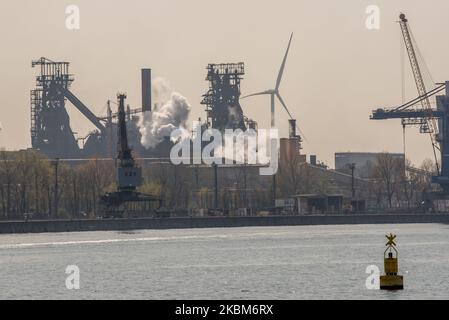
(364, 162)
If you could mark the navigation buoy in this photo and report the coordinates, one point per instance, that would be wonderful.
(391, 280)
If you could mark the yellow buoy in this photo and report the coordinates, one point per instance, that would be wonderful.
(391, 280)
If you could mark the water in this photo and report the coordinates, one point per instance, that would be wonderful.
(304, 262)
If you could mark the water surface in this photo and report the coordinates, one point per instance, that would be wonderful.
(301, 262)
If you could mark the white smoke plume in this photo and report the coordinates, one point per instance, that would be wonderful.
(170, 112)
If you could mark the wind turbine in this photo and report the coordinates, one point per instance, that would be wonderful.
(275, 92)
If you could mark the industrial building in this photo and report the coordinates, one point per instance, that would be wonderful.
(222, 98)
(362, 162)
(51, 131)
(52, 134)
(228, 189)
(298, 187)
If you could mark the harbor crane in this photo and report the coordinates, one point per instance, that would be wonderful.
(428, 123)
(126, 200)
(434, 122)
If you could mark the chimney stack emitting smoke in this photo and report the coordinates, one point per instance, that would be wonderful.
(146, 90)
(171, 111)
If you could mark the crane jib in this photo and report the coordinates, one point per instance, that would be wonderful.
(430, 125)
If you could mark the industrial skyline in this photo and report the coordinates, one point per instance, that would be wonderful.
(337, 71)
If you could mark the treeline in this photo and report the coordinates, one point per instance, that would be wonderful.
(33, 185)
(29, 185)
(389, 183)
(393, 186)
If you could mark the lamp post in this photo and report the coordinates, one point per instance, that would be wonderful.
(55, 162)
(352, 167)
(215, 167)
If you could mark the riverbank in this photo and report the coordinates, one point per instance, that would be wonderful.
(40, 226)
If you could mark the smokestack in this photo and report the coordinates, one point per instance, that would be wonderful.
(292, 128)
(146, 90)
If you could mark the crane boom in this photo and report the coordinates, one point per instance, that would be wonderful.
(431, 125)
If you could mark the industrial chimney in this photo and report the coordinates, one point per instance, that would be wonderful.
(146, 90)
(292, 128)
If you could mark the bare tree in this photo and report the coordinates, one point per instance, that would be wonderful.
(389, 172)
(7, 173)
(291, 176)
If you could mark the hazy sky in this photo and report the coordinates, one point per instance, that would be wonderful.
(337, 71)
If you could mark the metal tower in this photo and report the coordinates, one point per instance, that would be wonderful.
(428, 123)
(435, 122)
(129, 176)
(50, 123)
(222, 99)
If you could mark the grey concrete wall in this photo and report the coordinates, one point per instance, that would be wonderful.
(213, 222)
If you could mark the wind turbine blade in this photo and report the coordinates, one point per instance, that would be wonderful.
(286, 109)
(256, 94)
(283, 104)
(281, 70)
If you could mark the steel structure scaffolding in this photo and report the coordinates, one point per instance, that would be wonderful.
(222, 98)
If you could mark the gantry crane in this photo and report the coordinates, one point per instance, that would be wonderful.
(428, 124)
(435, 122)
